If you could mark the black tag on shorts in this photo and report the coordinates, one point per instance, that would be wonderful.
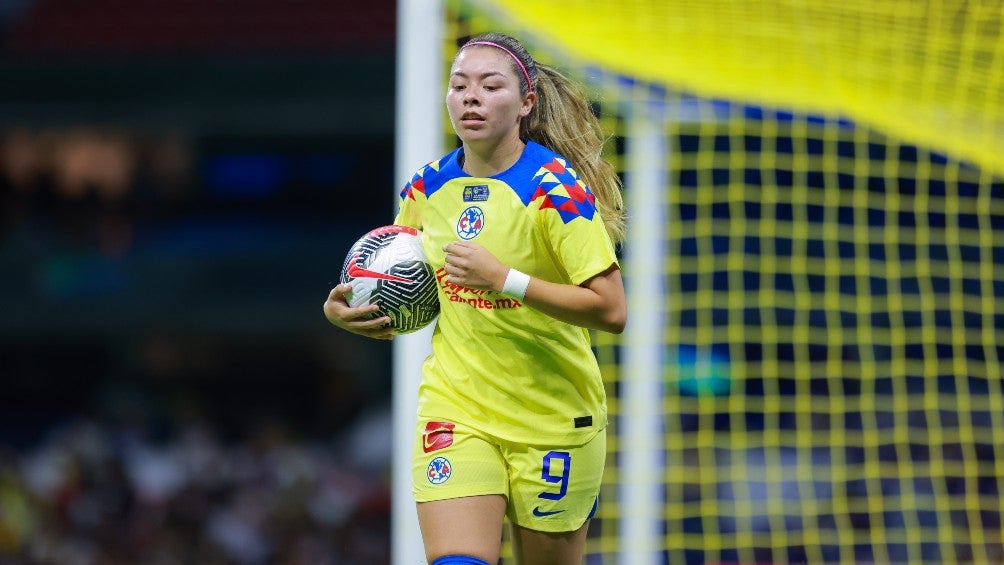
(583, 421)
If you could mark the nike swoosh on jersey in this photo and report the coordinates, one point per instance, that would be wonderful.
(543, 513)
(356, 272)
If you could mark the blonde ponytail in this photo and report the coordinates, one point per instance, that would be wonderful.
(563, 121)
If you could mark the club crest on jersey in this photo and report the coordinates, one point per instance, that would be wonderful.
(471, 222)
(440, 470)
(476, 193)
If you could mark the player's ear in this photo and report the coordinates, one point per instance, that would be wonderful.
(528, 101)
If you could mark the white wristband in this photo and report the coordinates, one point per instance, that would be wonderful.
(515, 284)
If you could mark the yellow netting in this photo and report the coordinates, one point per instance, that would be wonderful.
(833, 384)
(833, 379)
(931, 72)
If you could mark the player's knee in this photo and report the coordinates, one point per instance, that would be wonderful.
(458, 560)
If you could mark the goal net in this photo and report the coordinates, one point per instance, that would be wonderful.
(815, 266)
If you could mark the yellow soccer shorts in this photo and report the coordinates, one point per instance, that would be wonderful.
(548, 488)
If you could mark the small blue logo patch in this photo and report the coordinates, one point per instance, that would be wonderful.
(440, 470)
(476, 193)
(471, 222)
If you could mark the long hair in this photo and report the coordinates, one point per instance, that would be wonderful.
(562, 120)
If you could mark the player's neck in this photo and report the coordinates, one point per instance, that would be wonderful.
(481, 161)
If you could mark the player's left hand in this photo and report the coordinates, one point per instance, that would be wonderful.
(471, 265)
(356, 320)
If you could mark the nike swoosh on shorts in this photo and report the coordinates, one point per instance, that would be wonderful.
(544, 513)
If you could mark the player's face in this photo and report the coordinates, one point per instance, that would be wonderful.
(483, 98)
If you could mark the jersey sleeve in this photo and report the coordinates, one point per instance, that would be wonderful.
(583, 247)
(573, 225)
(410, 200)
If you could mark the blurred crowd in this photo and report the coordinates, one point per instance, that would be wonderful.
(266, 445)
(93, 493)
(125, 216)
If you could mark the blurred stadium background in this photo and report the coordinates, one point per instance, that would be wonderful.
(179, 181)
(812, 373)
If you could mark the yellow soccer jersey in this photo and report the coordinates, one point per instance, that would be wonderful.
(496, 364)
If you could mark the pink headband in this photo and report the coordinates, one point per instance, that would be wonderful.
(529, 85)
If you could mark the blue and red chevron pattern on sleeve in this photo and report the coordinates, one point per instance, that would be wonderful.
(417, 182)
(561, 189)
(430, 178)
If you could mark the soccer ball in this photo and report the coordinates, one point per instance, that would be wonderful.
(387, 266)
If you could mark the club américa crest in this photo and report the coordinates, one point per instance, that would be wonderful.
(440, 470)
(471, 222)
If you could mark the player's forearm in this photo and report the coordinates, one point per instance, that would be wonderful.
(598, 305)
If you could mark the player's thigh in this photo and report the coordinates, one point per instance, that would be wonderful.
(532, 547)
(463, 526)
(460, 482)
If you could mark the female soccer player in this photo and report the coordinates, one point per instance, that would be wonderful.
(521, 224)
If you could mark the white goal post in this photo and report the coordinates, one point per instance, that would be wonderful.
(418, 140)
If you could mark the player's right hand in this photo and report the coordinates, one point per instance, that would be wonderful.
(355, 320)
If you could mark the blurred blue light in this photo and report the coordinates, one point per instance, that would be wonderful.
(247, 175)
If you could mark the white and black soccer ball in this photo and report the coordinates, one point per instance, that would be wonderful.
(387, 266)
